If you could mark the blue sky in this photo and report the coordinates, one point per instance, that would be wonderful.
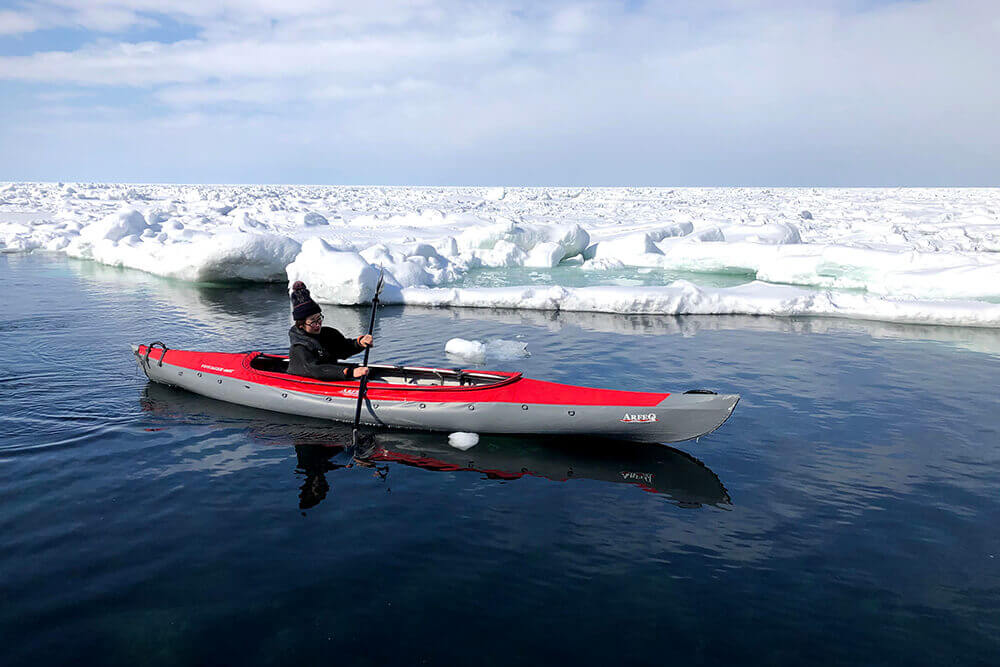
(441, 92)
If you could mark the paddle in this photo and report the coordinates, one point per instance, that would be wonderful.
(364, 378)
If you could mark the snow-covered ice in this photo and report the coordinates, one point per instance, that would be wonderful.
(914, 255)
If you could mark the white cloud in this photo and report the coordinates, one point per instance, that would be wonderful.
(766, 90)
(15, 23)
(152, 63)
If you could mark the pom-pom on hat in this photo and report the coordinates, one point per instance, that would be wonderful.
(302, 304)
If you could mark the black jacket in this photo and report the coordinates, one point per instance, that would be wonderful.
(316, 356)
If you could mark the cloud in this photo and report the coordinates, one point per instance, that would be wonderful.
(152, 63)
(16, 23)
(718, 91)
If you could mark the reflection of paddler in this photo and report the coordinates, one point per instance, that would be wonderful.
(314, 462)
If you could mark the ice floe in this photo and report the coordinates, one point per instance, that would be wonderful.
(929, 256)
(462, 440)
(496, 348)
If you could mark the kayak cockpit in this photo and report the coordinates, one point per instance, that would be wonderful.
(410, 376)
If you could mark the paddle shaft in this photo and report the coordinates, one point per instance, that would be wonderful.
(364, 378)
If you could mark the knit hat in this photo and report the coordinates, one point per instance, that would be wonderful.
(302, 304)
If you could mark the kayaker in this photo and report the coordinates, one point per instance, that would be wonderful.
(314, 350)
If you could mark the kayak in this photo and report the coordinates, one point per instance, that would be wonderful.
(441, 399)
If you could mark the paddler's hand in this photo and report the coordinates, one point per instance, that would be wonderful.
(360, 371)
(365, 341)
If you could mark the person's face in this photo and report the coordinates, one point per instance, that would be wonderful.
(314, 323)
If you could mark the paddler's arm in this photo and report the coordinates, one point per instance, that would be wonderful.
(340, 346)
(307, 365)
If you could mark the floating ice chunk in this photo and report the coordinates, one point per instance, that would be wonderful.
(466, 349)
(495, 348)
(463, 441)
(495, 194)
(333, 276)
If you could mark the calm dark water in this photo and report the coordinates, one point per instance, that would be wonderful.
(847, 514)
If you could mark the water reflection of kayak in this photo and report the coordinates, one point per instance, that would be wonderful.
(322, 447)
(442, 399)
(656, 469)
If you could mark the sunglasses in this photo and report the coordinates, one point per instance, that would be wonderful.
(313, 321)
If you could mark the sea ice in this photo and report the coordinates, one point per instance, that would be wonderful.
(495, 348)
(904, 255)
(466, 349)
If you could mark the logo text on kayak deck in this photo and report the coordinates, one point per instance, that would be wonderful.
(217, 368)
(640, 418)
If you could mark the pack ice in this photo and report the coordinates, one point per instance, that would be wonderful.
(913, 255)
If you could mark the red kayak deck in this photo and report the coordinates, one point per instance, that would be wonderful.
(510, 387)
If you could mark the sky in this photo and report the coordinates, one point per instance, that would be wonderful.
(502, 92)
